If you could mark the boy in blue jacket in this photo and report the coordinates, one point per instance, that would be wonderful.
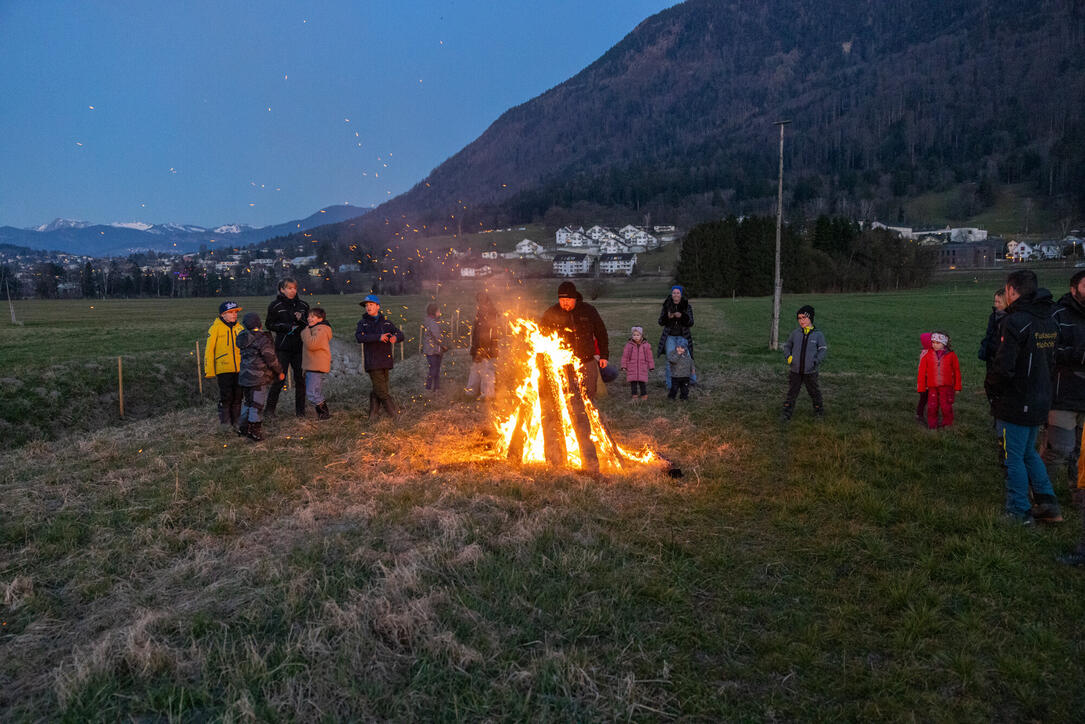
(377, 336)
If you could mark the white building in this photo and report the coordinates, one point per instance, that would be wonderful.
(567, 265)
(613, 246)
(617, 264)
(563, 234)
(1019, 251)
(475, 272)
(489, 255)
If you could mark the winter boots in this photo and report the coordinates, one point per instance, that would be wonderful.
(390, 408)
(322, 411)
(255, 431)
(243, 428)
(374, 406)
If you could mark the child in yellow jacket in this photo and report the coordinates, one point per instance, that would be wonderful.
(222, 360)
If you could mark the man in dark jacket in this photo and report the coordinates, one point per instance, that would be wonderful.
(286, 317)
(1020, 385)
(378, 336)
(1064, 422)
(580, 326)
(260, 370)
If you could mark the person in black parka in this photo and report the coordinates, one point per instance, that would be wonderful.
(286, 316)
(260, 369)
(580, 326)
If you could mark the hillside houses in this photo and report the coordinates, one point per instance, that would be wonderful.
(627, 239)
(617, 264)
(567, 264)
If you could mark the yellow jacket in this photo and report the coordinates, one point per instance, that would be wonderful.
(221, 354)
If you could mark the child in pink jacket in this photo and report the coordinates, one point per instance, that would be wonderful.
(637, 361)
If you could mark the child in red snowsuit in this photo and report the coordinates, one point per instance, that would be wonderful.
(940, 377)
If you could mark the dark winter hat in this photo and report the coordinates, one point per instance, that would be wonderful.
(608, 373)
(370, 298)
(567, 289)
(251, 321)
(807, 310)
(229, 307)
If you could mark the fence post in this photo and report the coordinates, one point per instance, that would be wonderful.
(199, 372)
(120, 386)
(421, 334)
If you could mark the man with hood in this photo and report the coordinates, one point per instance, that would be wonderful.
(1021, 388)
(580, 326)
(286, 316)
(676, 318)
(1064, 422)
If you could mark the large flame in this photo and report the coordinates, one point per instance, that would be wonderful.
(546, 362)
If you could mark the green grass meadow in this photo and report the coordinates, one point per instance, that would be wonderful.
(855, 569)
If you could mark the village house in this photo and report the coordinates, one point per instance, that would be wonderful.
(561, 237)
(1020, 251)
(471, 272)
(569, 264)
(617, 264)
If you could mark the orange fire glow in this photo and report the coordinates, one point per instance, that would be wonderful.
(554, 419)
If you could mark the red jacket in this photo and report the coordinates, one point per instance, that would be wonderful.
(934, 372)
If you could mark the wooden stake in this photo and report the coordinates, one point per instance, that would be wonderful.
(550, 404)
(581, 425)
(120, 386)
(199, 372)
(519, 435)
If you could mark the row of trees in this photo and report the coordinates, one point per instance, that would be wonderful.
(735, 256)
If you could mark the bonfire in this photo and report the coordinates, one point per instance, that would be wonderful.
(553, 421)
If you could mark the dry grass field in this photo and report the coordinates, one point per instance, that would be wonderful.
(854, 569)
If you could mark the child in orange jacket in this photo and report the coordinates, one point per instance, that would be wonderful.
(940, 377)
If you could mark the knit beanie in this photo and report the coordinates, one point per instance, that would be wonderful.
(567, 289)
(251, 321)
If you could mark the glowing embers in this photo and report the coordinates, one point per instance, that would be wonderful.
(554, 422)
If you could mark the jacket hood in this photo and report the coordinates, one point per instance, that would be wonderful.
(1067, 300)
(1037, 306)
(925, 340)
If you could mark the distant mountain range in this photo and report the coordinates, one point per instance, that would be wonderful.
(122, 238)
(888, 100)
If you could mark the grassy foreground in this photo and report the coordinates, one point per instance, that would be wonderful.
(855, 569)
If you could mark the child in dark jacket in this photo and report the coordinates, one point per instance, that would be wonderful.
(637, 361)
(377, 336)
(805, 349)
(259, 368)
(681, 370)
(940, 377)
(433, 346)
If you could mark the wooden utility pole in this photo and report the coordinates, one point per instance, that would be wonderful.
(774, 336)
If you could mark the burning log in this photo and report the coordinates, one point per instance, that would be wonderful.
(550, 407)
(554, 422)
(589, 458)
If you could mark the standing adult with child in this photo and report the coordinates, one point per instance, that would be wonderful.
(676, 319)
(1021, 388)
(580, 326)
(378, 337)
(1064, 422)
(286, 316)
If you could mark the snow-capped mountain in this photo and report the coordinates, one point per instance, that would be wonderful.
(58, 223)
(124, 237)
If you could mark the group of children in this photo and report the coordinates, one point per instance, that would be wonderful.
(242, 358)
(638, 361)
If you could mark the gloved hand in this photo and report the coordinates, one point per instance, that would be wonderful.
(789, 358)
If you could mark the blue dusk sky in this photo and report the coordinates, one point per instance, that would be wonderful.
(262, 111)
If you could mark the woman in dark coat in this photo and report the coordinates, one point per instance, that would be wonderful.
(676, 318)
